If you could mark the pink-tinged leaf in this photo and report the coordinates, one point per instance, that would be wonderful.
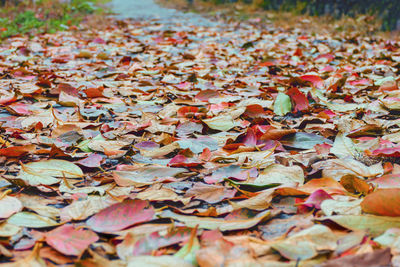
(314, 79)
(211, 235)
(69, 240)
(92, 161)
(322, 149)
(98, 40)
(205, 95)
(327, 69)
(121, 215)
(387, 152)
(9, 206)
(387, 181)
(232, 171)
(360, 82)
(240, 214)
(219, 107)
(155, 241)
(327, 114)
(316, 198)
(205, 155)
(300, 100)
(250, 139)
(147, 145)
(19, 109)
(7, 99)
(182, 161)
(329, 57)
(210, 193)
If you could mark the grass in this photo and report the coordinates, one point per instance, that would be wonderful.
(32, 17)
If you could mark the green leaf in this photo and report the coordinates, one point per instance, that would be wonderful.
(188, 251)
(282, 104)
(31, 220)
(45, 172)
(220, 123)
(84, 145)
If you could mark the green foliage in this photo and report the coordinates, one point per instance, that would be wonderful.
(43, 16)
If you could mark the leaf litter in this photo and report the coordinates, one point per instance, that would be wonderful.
(152, 144)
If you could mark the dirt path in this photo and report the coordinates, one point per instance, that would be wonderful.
(138, 9)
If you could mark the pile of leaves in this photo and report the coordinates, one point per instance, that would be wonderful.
(238, 144)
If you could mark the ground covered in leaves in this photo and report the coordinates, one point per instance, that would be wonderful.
(233, 144)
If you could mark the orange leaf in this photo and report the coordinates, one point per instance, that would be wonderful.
(385, 202)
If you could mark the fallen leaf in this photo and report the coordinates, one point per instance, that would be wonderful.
(45, 172)
(31, 220)
(212, 223)
(385, 202)
(69, 240)
(9, 206)
(120, 216)
(282, 104)
(375, 225)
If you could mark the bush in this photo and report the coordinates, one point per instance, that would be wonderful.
(30, 16)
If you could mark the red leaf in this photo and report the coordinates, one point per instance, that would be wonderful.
(187, 111)
(121, 215)
(155, 241)
(19, 109)
(205, 95)
(314, 79)
(69, 240)
(182, 161)
(300, 99)
(316, 198)
(92, 161)
(254, 111)
(387, 152)
(17, 151)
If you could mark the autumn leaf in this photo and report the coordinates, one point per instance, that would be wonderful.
(382, 202)
(47, 171)
(120, 216)
(9, 206)
(282, 104)
(69, 240)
